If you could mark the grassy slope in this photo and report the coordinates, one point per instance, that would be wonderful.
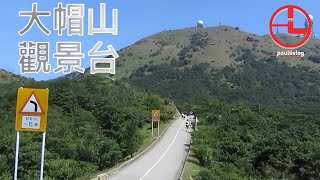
(191, 167)
(224, 44)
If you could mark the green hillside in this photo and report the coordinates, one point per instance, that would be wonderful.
(7, 77)
(93, 123)
(265, 82)
(258, 114)
(271, 133)
(218, 46)
(263, 121)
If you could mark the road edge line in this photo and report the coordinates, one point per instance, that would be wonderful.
(174, 139)
(116, 170)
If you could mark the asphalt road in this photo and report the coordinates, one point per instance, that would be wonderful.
(164, 160)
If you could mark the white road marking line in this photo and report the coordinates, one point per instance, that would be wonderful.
(164, 152)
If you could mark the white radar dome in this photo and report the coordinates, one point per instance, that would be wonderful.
(311, 17)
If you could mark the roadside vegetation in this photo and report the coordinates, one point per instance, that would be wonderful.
(259, 120)
(238, 141)
(93, 123)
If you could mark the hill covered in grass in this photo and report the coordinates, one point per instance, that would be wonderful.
(189, 65)
(7, 77)
(219, 46)
(263, 121)
(259, 81)
(263, 125)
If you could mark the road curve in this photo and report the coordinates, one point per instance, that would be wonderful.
(164, 160)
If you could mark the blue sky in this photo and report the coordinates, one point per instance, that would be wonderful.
(137, 19)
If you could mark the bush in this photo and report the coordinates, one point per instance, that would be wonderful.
(314, 58)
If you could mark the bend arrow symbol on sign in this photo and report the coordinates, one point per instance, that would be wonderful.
(32, 105)
(35, 105)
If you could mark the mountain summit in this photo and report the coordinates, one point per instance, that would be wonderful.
(219, 46)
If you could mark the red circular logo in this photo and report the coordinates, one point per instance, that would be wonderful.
(290, 26)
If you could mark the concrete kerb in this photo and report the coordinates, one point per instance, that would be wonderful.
(180, 174)
(116, 170)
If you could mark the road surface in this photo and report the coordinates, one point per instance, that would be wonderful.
(164, 160)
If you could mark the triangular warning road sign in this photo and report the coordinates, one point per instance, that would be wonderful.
(32, 106)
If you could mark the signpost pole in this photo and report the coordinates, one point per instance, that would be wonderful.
(158, 128)
(42, 154)
(32, 106)
(155, 116)
(196, 128)
(17, 157)
(152, 127)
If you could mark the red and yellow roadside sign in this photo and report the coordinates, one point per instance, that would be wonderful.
(31, 109)
(155, 114)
